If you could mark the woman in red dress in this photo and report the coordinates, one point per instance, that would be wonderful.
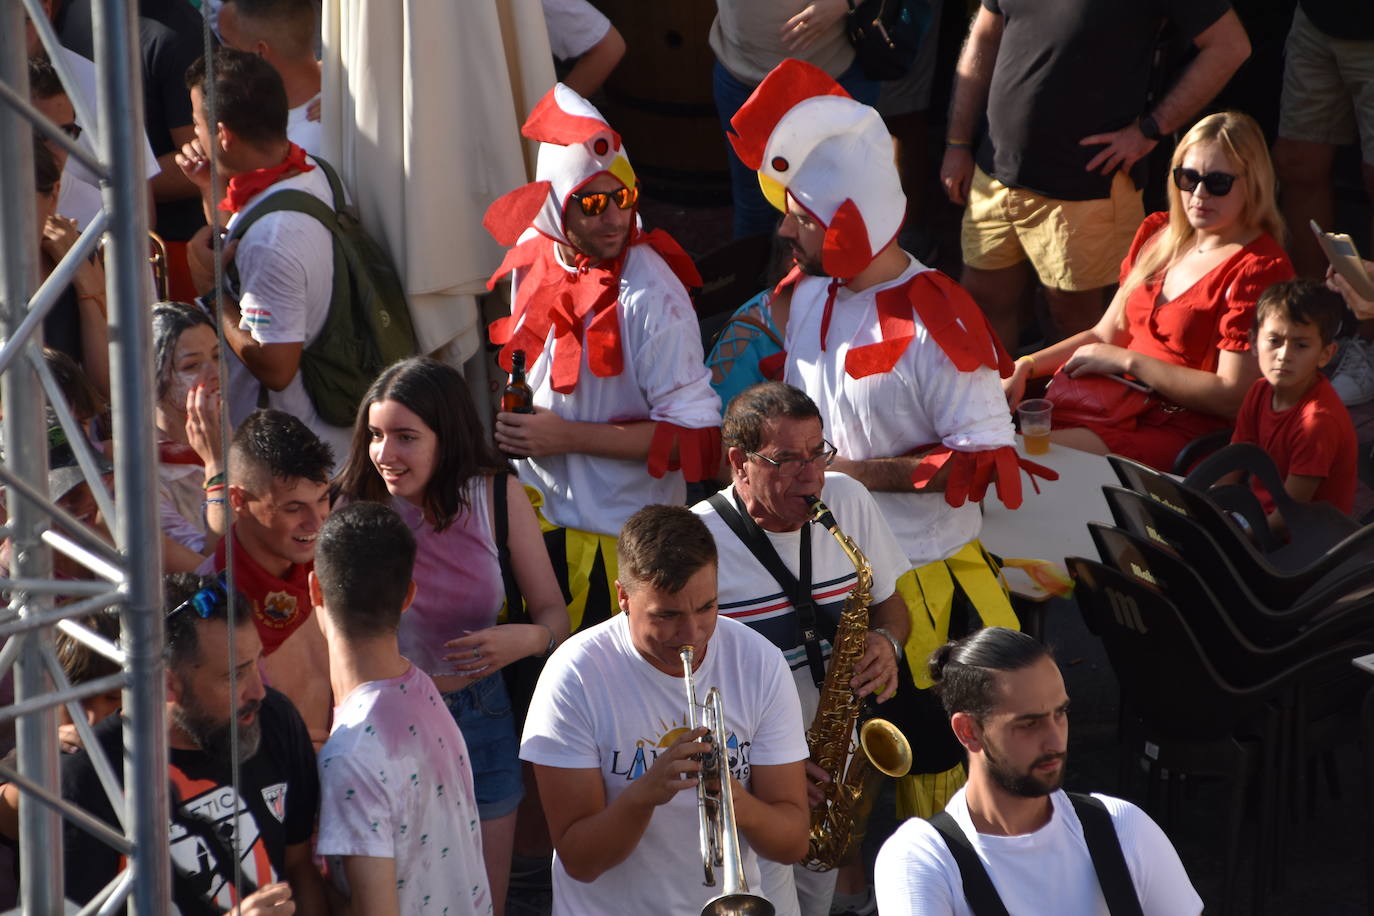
(1180, 321)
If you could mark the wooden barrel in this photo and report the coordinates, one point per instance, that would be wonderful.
(659, 99)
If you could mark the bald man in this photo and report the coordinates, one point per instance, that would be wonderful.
(283, 33)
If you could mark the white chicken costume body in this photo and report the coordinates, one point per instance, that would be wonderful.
(606, 341)
(907, 365)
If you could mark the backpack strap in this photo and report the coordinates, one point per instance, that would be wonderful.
(979, 892)
(1108, 860)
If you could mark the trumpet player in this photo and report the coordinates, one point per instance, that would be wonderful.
(778, 458)
(615, 758)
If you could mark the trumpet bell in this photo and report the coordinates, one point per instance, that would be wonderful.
(886, 747)
(737, 905)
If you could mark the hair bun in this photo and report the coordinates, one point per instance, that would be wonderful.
(939, 659)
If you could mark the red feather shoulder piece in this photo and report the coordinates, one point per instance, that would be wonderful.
(950, 315)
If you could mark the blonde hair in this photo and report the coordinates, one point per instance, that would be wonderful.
(1243, 141)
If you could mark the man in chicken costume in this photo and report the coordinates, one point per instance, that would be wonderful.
(600, 309)
(904, 368)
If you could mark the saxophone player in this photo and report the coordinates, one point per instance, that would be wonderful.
(615, 758)
(778, 458)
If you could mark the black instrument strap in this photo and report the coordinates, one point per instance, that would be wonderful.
(981, 896)
(1108, 860)
(797, 588)
(1104, 846)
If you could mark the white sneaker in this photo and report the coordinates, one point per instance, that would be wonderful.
(1353, 377)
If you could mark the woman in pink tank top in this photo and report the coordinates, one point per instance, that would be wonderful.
(418, 446)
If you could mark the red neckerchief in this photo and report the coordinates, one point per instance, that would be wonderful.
(243, 188)
(279, 605)
(578, 305)
(169, 452)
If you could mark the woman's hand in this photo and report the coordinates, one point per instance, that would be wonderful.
(802, 30)
(203, 424)
(1098, 359)
(1362, 307)
(484, 652)
(59, 236)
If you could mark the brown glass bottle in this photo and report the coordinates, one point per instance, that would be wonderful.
(517, 397)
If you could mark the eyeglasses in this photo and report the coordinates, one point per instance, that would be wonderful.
(1218, 184)
(594, 203)
(71, 129)
(792, 467)
(206, 601)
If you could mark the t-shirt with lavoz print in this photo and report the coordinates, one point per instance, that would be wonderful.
(396, 783)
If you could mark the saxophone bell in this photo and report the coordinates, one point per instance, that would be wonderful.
(718, 834)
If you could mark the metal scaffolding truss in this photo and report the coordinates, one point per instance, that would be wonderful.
(125, 576)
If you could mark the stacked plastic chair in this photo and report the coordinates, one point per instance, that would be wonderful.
(1233, 657)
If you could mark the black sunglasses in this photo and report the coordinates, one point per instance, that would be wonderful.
(594, 203)
(206, 601)
(1218, 184)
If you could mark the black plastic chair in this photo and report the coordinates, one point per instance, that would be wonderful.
(1300, 565)
(1324, 588)
(1181, 714)
(1246, 643)
(1310, 525)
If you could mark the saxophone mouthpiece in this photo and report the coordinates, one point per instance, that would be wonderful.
(820, 513)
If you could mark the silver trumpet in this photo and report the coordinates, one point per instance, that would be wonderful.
(716, 813)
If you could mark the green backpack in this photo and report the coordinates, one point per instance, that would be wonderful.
(368, 327)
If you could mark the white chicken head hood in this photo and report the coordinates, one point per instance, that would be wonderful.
(809, 140)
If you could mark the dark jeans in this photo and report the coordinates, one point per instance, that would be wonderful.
(753, 214)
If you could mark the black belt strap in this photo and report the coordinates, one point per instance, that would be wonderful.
(797, 588)
(1104, 846)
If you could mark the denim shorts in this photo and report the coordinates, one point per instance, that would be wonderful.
(483, 713)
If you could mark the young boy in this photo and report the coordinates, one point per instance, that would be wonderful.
(398, 818)
(1293, 413)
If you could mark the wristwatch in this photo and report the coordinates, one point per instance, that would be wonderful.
(1149, 127)
(896, 646)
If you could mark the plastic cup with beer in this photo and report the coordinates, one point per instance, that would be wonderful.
(1035, 425)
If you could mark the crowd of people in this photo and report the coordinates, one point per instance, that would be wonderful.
(411, 657)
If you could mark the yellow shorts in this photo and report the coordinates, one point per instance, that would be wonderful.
(1072, 244)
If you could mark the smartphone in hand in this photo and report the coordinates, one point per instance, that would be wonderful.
(1340, 250)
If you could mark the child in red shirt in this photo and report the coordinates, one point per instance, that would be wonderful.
(1292, 412)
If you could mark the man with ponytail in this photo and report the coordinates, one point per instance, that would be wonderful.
(1012, 835)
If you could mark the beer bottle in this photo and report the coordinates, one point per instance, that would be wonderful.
(517, 397)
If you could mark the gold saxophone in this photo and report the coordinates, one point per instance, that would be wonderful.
(837, 824)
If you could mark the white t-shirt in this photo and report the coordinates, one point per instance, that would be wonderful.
(748, 593)
(574, 27)
(664, 378)
(600, 704)
(1048, 871)
(395, 783)
(300, 130)
(79, 198)
(286, 279)
(924, 400)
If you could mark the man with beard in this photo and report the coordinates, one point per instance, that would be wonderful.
(271, 817)
(1012, 832)
(903, 367)
(623, 413)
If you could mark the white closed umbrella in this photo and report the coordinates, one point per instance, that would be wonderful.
(423, 102)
